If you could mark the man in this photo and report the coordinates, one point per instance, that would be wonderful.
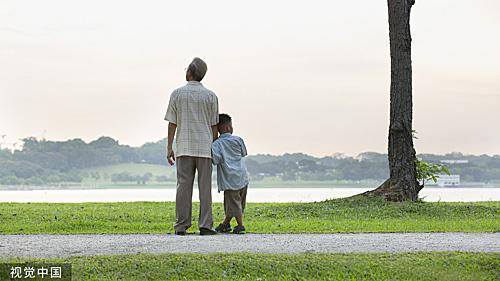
(193, 111)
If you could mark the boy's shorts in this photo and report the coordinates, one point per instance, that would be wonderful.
(235, 201)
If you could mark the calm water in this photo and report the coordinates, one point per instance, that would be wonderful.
(254, 195)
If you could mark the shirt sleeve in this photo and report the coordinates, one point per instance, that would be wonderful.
(216, 154)
(243, 148)
(171, 114)
(215, 111)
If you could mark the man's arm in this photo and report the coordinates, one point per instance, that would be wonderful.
(215, 117)
(170, 141)
(171, 117)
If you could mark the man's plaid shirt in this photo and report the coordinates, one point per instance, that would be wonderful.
(194, 109)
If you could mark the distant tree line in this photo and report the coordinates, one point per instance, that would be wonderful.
(305, 167)
(48, 162)
(365, 166)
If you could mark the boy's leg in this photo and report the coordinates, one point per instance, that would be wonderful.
(227, 220)
(239, 220)
(243, 195)
(243, 201)
(228, 217)
(225, 226)
(233, 203)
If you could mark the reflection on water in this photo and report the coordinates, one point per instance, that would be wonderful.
(254, 195)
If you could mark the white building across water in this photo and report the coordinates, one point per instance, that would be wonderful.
(455, 161)
(445, 181)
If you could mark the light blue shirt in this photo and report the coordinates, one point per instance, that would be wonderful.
(227, 153)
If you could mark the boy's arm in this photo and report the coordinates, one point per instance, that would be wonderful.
(243, 149)
(216, 154)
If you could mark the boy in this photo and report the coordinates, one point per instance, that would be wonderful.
(232, 177)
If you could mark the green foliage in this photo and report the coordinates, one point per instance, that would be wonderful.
(429, 171)
(10, 180)
(49, 162)
(72, 160)
(299, 166)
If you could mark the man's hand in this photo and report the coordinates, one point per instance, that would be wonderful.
(170, 140)
(170, 156)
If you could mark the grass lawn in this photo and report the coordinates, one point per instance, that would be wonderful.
(415, 266)
(339, 215)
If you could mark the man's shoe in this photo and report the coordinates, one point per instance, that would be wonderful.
(223, 228)
(207, 231)
(240, 229)
(181, 233)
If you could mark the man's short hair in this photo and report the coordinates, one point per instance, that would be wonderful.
(224, 119)
(198, 69)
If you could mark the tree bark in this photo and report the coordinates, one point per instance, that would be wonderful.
(402, 184)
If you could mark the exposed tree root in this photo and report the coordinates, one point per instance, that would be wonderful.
(391, 192)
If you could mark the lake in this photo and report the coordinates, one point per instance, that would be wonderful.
(430, 194)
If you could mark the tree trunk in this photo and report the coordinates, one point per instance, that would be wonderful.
(402, 184)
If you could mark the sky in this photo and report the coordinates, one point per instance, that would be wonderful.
(296, 76)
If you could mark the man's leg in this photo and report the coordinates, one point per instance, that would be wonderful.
(204, 167)
(184, 194)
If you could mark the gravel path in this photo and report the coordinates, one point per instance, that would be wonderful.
(52, 246)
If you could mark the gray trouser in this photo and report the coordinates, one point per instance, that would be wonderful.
(186, 168)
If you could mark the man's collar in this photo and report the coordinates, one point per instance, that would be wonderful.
(225, 135)
(193, 82)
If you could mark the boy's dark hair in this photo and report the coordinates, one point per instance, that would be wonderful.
(223, 119)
